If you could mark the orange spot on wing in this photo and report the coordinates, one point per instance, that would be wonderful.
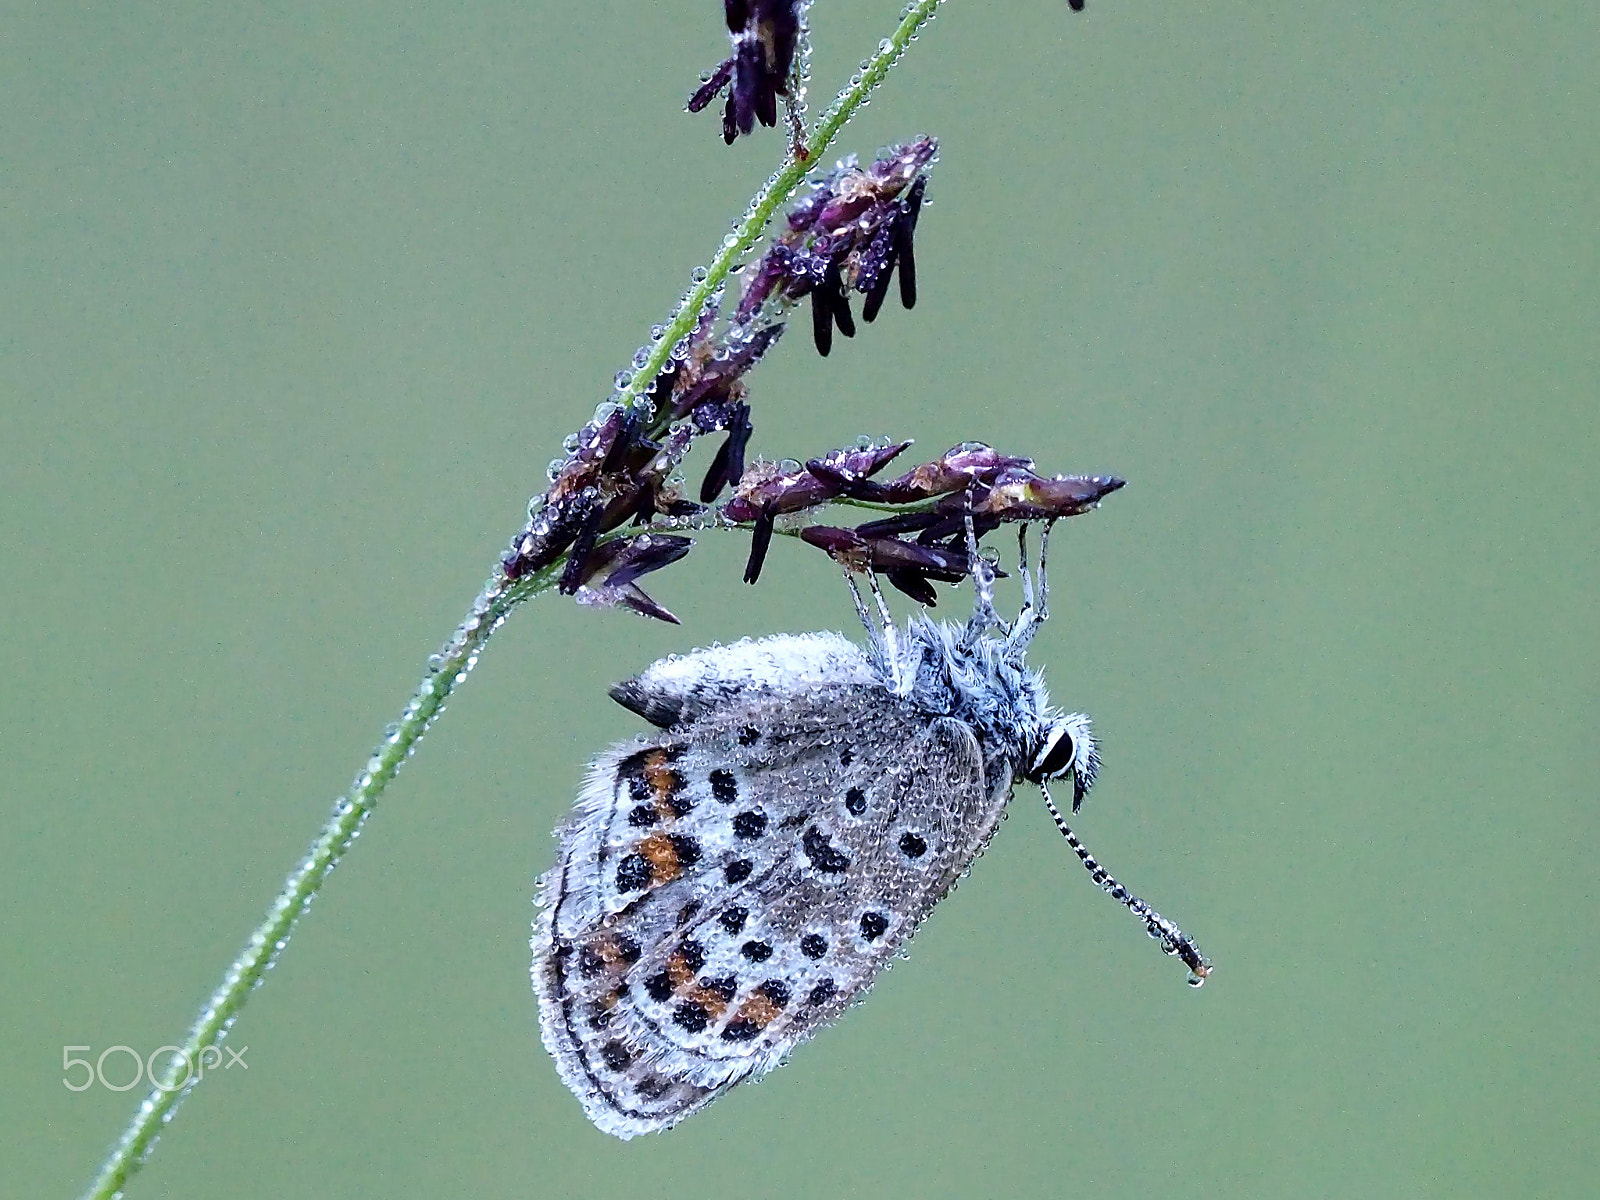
(678, 971)
(665, 783)
(662, 856)
(759, 1011)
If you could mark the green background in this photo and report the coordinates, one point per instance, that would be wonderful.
(296, 304)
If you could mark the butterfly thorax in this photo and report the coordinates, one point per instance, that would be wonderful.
(979, 682)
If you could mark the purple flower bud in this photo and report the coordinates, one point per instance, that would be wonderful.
(1020, 495)
(708, 90)
(760, 540)
(770, 488)
(728, 465)
(582, 548)
(888, 554)
(706, 377)
(622, 562)
(852, 233)
(764, 34)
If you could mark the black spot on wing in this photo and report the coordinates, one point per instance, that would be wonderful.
(775, 990)
(694, 954)
(825, 857)
(633, 873)
(690, 1016)
(652, 1087)
(659, 987)
(686, 848)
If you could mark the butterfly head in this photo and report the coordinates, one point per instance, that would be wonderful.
(1066, 747)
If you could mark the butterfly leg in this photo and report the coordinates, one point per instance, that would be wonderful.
(881, 633)
(1022, 567)
(901, 672)
(1022, 632)
(1044, 577)
(1036, 601)
(984, 616)
(861, 605)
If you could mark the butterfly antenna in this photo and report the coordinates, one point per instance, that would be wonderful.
(1173, 940)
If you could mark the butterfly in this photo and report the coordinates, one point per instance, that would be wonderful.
(729, 883)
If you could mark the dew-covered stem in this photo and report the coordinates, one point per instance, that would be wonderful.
(450, 666)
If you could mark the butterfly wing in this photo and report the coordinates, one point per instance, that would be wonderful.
(728, 885)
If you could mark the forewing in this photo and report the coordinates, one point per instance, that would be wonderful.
(727, 886)
(688, 687)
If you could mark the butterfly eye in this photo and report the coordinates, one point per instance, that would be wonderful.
(1057, 756)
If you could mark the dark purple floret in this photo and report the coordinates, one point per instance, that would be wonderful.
(728, 465)
(582, 546)
(764, 34)
(771, 488)
(889, 554)
(852, 233)
(904, 228)
(970, 487)
(707, 92)
(760, 540)
(618, 564)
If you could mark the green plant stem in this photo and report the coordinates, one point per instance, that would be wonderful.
(450, 667)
